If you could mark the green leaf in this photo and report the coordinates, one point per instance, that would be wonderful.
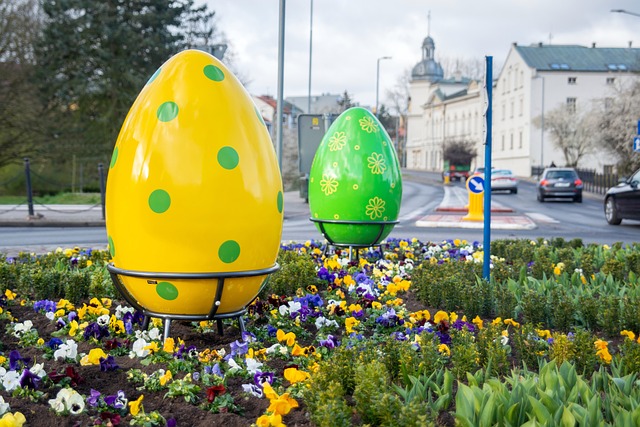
(568, 420)
(539, 411)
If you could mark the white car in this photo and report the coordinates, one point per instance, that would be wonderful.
(503, 180)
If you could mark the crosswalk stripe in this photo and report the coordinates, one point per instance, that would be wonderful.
(541, 217)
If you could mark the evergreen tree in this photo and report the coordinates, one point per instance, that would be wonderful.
(94, 57)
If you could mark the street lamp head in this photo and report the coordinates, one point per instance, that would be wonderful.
(625, 11)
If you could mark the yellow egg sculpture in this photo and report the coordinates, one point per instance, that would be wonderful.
(194, 202)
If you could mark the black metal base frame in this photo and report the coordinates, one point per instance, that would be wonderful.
(352, 247)
(115, 272)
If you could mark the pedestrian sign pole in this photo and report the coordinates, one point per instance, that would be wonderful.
(475, 185)
(486, 246)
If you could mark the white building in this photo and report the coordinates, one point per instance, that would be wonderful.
(534, 79)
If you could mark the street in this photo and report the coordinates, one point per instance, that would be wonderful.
(422, 194)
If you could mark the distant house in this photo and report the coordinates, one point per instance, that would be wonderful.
(534, 79)
(267, 106)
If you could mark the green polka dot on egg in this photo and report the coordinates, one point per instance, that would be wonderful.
(280, 201)
(228, 157)
(167, 111)
(213, 73)
(112, 248)
(229, 251)
(167, 290)
(114, 157)
(159, 201)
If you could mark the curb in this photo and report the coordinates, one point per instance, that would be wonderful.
(508, 222)
(465, 209)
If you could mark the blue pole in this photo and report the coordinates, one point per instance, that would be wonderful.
(486, 268)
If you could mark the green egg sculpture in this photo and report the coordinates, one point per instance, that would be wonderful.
(355, 185)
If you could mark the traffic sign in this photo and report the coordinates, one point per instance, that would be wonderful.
(636, 143)
(475, 184)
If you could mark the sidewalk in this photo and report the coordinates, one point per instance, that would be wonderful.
(91, 216)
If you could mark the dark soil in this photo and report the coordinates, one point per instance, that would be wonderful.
(107, 383)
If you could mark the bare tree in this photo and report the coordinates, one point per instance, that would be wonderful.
(572, 131)
(617, 124)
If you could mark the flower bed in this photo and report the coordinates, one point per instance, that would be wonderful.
(405, 334)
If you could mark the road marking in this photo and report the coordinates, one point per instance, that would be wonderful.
(541, 218)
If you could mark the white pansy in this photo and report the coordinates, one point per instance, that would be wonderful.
(4, 407)
(138, 348)
(294, 306)
(283, 309)
(121, 311)
(252, 365)
(103, 320)
(75, 403)
(20, 329)
(233, 366)
(50, 315)
(273, 349)
(252, 389)
(66, 350)
(323, 322)
(11, 380)
(154, 334)
(38, 369)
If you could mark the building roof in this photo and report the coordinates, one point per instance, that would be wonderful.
(580, 58)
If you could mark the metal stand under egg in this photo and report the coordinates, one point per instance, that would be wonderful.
(213, 312)
(352, 247)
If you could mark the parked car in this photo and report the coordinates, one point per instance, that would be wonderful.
(559, 183)
(503, 180)
(623, 200)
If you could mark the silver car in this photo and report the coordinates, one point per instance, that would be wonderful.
(503, 180)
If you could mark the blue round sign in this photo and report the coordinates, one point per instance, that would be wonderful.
(475, 184)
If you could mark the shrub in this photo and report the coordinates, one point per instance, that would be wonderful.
(296, 271)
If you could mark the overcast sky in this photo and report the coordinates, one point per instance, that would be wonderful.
(350, 35)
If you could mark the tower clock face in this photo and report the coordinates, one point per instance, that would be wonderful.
(420, 69)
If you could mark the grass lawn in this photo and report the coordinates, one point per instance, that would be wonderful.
(55, 199)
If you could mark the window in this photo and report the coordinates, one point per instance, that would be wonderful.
(502, 148)
(572, 80)
(511, 110)
(521, 106)
(511, 142)
(504, 111)
(571, 104)
(611, 80)
(520, 140)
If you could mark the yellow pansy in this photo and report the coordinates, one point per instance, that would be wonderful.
(497, 321)
(478, 322)
(271, 420)
(166, 377)
(350, 323)
(93, 358)
(294, 375)
(289, 337)
(136, 406)
(12, 420)
(512, 323)
(444, 349)
(169, 345)
(440, 316)
(10, 295)
(73, 328)
(628, 334)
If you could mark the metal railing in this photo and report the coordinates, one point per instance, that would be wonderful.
(593, 181)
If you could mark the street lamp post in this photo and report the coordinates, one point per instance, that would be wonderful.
(310, 47)
(541, 123)
(378, 79)
(625, 11)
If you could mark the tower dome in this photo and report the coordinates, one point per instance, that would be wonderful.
(428, 68)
